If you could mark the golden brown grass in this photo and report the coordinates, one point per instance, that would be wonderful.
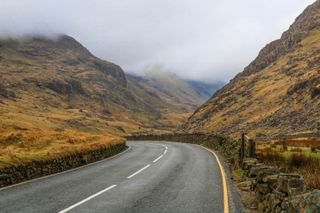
(102, 105)
(19, 147)
(251, 99)
(31, 129)
(300, 155)
(40, 121)
(306, 165)
(290, 145)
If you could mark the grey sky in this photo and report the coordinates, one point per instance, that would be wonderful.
(197, 39)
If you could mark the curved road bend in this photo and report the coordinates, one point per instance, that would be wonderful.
(150, 177)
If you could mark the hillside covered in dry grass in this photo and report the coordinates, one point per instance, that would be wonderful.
(55, 97)
(58, 84)
(277, 94)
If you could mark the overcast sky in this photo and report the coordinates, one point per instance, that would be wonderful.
(207, 40)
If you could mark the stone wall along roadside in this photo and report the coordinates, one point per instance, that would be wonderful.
(227, 147)
(277, 191)
(16, 174)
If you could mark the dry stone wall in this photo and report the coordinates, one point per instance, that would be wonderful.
(36, 169)
(227, 147)
(275, 190)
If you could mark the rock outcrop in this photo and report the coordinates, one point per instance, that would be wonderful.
(306, 22)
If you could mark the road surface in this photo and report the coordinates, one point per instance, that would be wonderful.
(149, 177)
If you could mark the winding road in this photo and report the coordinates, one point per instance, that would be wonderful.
(149, 177)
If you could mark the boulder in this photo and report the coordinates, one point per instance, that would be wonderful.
(245, 185)
(312, 202)
(270, 179)
(266, 171)
(263, 188)
(290, 184)
(248, 163)
(296, 204)
(253, 171)
(273, 201)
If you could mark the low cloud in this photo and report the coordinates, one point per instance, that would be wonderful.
(207, 40)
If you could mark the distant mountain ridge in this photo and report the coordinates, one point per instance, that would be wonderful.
(59, 85)
(205, 90)
(192, 91)
(276, 94)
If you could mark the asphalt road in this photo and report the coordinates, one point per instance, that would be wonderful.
(150, 177)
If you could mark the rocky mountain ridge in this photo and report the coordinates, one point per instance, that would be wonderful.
(277, 94)
(57, 84)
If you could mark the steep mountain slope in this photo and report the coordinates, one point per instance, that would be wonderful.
(179, 97)
(278, 93)
(58, 85)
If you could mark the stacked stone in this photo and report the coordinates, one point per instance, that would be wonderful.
(275, 190)
(15, 174)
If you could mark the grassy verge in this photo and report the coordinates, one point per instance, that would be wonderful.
(300, 155)
(18, 148)
(305, 164)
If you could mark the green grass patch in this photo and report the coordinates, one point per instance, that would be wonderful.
(239, 173)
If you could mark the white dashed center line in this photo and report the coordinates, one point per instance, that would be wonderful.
(110, 187)
(134, 174)
(158, 158)
(87, 199)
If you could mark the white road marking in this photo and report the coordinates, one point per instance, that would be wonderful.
(67, 171)
(158, 158)
(87, 199)
(134, 174)
(165, 152)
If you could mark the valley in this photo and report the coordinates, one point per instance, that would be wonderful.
(56, 96)
(123, 107)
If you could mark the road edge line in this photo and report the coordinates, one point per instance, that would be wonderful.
(66, 171)
(224, 181)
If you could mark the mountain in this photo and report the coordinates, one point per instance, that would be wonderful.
(57, 85)
(277, 94)
(205, 90)
(180, 98)
(169, 87)
(189, 93)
